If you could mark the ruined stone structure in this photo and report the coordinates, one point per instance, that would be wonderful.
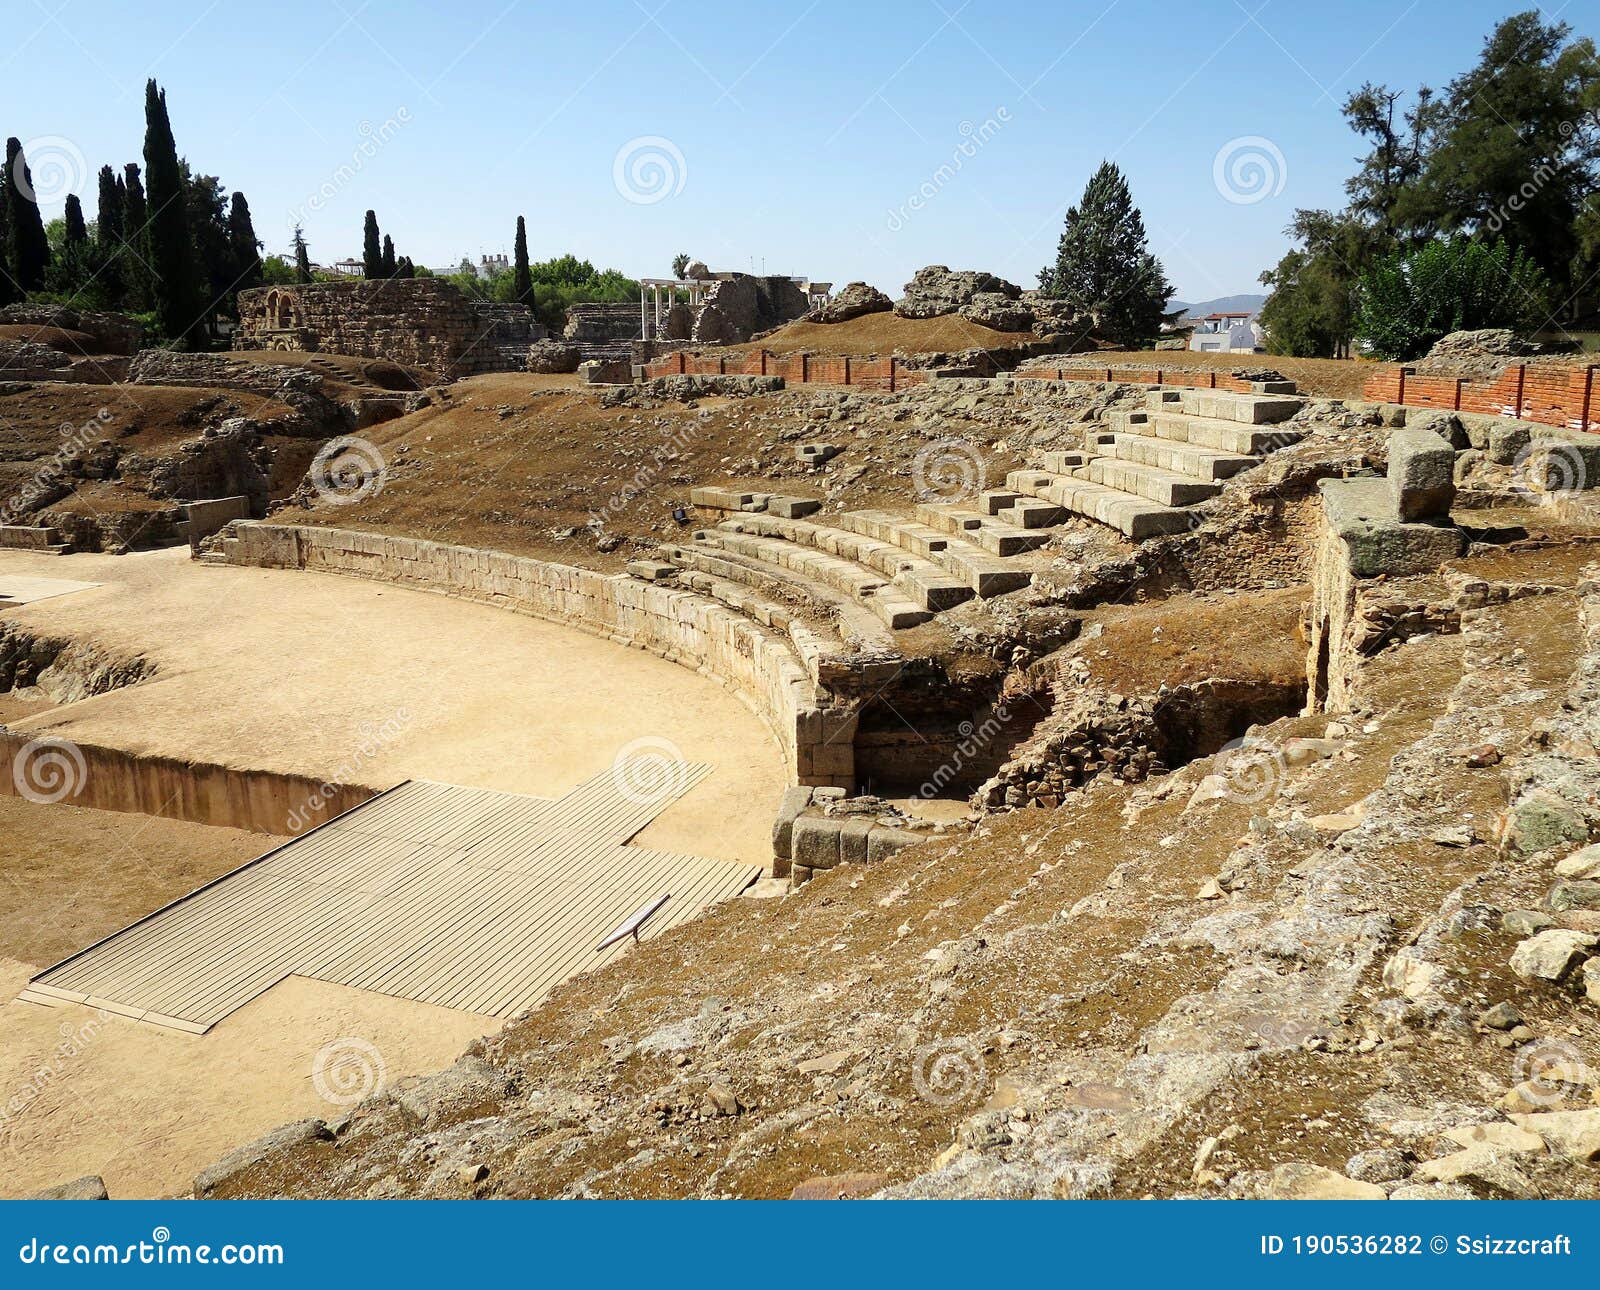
(422, 322)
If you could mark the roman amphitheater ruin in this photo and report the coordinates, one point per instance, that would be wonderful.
(771, 759)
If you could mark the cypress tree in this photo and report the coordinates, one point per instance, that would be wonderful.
(522, 281)
(10, 292)
(388, 262)
(172, 252)
(302, 258)
(245, 246)
(28, 251)
(1103, 266)
(77, 232)
(133, 258)
(405, 269)
(108, 213)
(371, 251)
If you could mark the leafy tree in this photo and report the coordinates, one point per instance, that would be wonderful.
(371, 249)
(302, 258)
(1408, 301)
(243, 244)
(27, 249)
(522, 279)
(211, 245)
(680, 265)
(174, 290)
(1104, 267)
(1514, 146)
(277, 272)
(1311, 311)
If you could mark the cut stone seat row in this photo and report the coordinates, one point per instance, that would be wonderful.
(1167, 454)
(23, 537)
(987, 574)
(892, 606)
(989, 529)
(1201, 432)
(826, 656)
(923, 581)
(1224, 405)
(857, 625)
(1134, 516)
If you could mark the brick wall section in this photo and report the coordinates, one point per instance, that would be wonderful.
(1557, 395)
(817, 737)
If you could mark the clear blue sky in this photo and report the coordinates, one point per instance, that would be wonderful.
(795, 136)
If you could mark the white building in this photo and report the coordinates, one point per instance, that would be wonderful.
(1227, 333)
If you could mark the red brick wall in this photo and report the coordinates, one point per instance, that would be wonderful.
(1554, 395)
(797, 369)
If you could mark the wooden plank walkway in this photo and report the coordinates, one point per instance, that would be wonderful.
(462, 897)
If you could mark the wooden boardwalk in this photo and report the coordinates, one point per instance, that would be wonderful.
(461, 897)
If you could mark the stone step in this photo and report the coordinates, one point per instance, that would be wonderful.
(921, 579)
(1203, 432)
(1168, 454)
(1031, 513)
(987, 575)
(1164, 486)
(994, 535)
(857, 625)
(825, 656)
(1135, 517)
(1225, 405)
(25, 537)
(893, 607)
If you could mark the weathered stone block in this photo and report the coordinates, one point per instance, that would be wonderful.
(853, 840)
(1421, 474)
(816, 842)
(790, 809)
(884, 842)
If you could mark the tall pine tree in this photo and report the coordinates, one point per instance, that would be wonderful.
(1103, 266)
(522, 282)
(371, 249)
(108, 235)
(173, 286)
(75, 233)
(27, 250)
(247, 271)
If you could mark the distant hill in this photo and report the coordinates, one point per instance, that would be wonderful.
(1221, 305)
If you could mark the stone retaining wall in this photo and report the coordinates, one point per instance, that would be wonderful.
(816, 736)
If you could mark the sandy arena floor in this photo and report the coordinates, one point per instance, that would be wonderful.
(296, 672)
